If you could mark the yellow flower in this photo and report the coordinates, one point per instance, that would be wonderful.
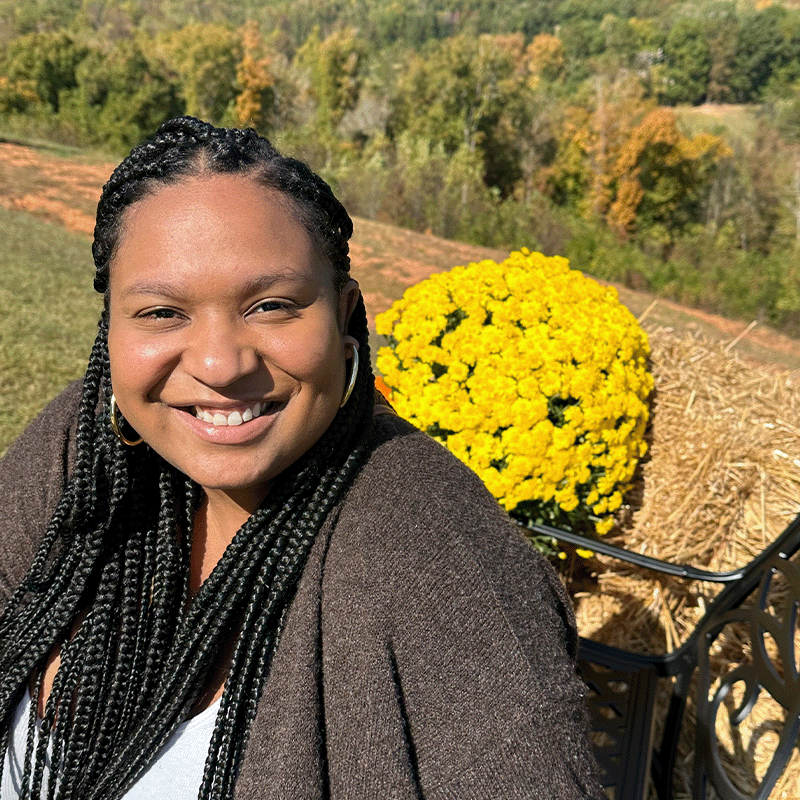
(531, 373)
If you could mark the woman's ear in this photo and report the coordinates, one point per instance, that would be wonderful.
(348, 299)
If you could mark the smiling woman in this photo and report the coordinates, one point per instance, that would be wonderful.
(221, 303)
(228, 573)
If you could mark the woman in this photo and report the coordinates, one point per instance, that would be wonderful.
(227, 576)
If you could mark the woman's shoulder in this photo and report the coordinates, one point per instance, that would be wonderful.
(425, 573)
(32, 476)
(413, 488)
(403, 458)
(49, 441)
(413, 483)
(417, 520)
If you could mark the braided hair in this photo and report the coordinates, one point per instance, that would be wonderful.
(109, 582)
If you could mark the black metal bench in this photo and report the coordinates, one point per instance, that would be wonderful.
(758, 606)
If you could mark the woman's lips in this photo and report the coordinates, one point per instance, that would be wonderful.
(215, 424)
(233, 418)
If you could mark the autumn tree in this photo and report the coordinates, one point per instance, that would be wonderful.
(544, 57)
(593, 133)
(659, 177)
(255, 100)
(625, 161)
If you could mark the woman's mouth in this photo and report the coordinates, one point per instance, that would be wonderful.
(221, 419)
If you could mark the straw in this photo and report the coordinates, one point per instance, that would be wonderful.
(721, 480)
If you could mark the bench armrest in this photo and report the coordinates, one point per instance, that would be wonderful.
(639, 560)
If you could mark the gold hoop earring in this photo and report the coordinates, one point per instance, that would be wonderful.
(117, 427)
(351, 384)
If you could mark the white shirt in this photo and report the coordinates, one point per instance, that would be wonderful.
(176, 773)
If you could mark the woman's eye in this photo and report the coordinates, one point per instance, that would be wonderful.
(271, 305)
(158, 313)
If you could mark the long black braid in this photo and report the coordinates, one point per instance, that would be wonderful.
(109, 583)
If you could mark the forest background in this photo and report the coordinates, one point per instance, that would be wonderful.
(655, 144)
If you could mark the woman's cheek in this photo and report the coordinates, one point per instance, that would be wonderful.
(140, 363)
(311, 357)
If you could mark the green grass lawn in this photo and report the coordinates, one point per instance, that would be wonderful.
(734, 121)
(48, 315)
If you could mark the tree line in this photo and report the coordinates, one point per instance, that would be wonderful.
(559, 126)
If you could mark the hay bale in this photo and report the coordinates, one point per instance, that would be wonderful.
(722, 479)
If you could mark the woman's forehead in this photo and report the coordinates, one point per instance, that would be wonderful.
(206, 224)
(212, 189)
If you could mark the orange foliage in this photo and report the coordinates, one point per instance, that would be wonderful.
(659, 156)
(254, 77)
(545, 56)
(627, 162)
(621, 214)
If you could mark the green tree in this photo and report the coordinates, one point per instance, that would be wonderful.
(122, 96)
(685, 74)
(622, 42)
(18, 17)
(760, 50)
(583, 40)
(16, 96)
(472, 93)
(203, 57)
(722, 37)
(335, 66)
(46, 61)
(430, 189)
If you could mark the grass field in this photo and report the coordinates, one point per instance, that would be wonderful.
(48, 315)
(735, 121)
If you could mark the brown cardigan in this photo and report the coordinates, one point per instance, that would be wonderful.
(428, 652)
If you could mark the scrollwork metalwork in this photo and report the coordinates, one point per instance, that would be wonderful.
(768, 619)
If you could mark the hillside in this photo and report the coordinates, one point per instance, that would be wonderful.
(62, 187)
(653, 144)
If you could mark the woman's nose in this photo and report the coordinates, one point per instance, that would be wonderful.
(219, 354)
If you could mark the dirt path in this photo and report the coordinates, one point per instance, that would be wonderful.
(386, 260)
(50, 187)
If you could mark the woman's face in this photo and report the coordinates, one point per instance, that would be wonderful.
(226, 334)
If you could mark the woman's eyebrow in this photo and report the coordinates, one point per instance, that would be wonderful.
(254, 285)
(158, 288)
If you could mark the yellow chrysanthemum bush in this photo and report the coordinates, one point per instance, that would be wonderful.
(532, 374)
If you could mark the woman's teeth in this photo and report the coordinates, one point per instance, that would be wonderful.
(234, 417)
